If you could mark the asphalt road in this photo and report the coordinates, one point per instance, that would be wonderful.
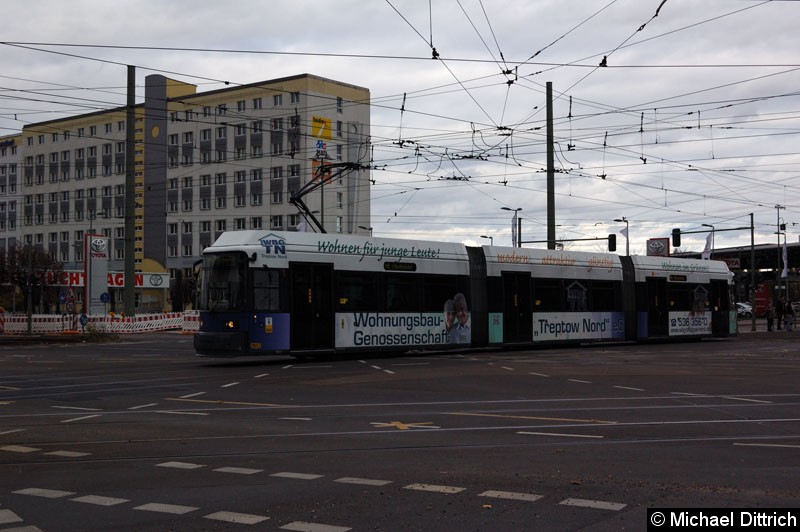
(142, 435)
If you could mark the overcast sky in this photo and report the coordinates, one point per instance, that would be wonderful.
(694, 120)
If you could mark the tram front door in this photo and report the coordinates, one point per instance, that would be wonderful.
(312, 306)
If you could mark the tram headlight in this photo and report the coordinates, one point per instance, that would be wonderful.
(231, 325)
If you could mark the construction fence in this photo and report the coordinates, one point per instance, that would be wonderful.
(187, 322)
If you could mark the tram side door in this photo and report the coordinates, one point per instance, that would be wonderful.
(720, 307)
(312, 306)
(657, 307)
(517, 317)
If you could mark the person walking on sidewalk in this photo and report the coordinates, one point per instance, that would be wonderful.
(770, 316)
(779, 308)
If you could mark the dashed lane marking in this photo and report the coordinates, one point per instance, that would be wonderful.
(175, 509)
(629, 388)
(19, 449)
(7, 517)
(302, 526)
(598, 505)
(45, 493)
(67, 454)
(579, 381)
(12, 431)
(100, 500)
(363, 481)
(137, 407)
(299, 476)
(238, 470)
(434, 488)
(234, 517)
(510, 495)
(189, 396)
(82, 418)
(81, 408)
(229, 385)
(180, 465)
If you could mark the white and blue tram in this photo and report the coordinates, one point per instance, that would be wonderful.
(268, 293)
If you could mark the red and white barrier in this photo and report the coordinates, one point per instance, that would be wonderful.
(188, 321)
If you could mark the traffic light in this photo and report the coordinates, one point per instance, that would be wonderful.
(676, 237)
(612, 242)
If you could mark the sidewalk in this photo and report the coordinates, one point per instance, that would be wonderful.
(745, 326)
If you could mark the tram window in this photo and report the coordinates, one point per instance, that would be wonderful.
(225, 282)
(547, 295)
(603, 296)
(266, 289)
(356, 291)
(436, 289)
(688, 298)
(576, 297)
(402, 293)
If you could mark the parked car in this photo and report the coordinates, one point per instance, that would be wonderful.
(744, 310)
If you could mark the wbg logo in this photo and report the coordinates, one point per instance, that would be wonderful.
(273, 245)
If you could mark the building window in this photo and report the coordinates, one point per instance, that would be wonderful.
(255, 198)
(256, 103)
(255, 222)
(295, 97)
(276, 222)
(277, 100)
(339, 105)
(239, 224)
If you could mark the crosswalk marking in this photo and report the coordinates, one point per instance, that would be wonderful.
(100, 500)
(166, 508)
(47, 494)
(238, 470)
(510, 495)
(234, 517)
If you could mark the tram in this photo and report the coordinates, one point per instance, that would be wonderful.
(309, 294)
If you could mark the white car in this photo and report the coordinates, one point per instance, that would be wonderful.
(744, 310)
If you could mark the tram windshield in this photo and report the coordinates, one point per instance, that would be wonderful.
(223, 282)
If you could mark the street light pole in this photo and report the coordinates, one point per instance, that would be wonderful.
(491, 239)
(627, 235)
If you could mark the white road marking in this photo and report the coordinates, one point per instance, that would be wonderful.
(598, 505)
(299, 476)
(302, 526)
(390, 372)
(363, 481)
(12, 431)
(580, 381)
(629, 388)
(767, 445)
(47, 494)
(166, 508)
(180, 465)
(234, 517)
(68, 454)
(262, 375)
(19, 449)
(79, 418)
(192, 395)
(510, 495)
(8, 517)
(238, 470)
(137, 407)
(745, 399)
(229, 385)
(560, 434)
(100, 500)
(509, 369)
(78, 408)
(296, 418)
(538, 374)
(434, 488)
(183, 413)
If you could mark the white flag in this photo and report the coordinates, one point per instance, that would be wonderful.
(707, 251)
(785, 272)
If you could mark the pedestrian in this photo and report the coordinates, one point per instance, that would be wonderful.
(779, 312)
(770, 316)
(788, 316)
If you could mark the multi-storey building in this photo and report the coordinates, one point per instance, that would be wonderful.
(204, 163)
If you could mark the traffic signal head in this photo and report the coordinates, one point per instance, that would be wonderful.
(612, 242)
(676, 237)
